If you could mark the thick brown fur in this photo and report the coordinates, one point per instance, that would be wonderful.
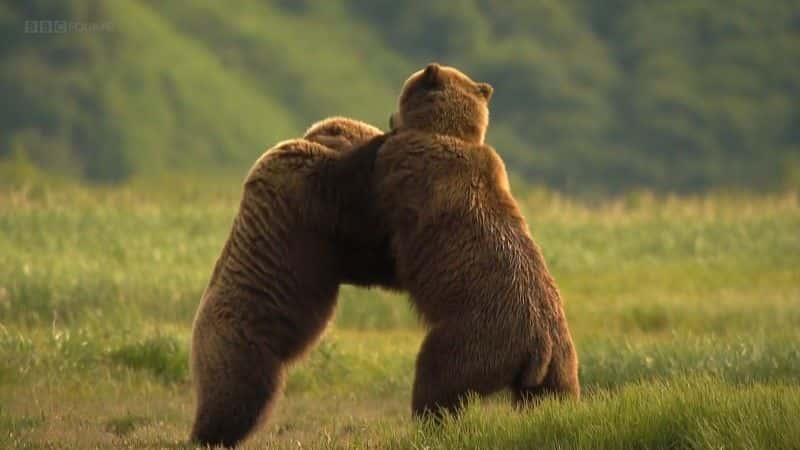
(301, 230)
(463, 251)
(427, 208)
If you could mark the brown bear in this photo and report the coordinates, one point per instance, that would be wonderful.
(303, 227)
(463, 252)
(426, 208)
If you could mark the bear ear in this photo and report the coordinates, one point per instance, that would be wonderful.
(430, 76)
(486, 90)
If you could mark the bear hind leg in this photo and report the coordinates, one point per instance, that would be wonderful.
(453, 363)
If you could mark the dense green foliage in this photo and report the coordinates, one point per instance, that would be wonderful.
(678, 95)
(685, 312)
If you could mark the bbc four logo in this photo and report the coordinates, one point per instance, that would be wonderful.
(63, 26)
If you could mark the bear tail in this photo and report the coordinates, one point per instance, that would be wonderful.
(535, 369)
(552, 372)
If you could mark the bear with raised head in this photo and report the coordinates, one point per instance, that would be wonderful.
(463, 252)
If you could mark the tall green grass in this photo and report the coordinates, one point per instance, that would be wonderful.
(685, 311)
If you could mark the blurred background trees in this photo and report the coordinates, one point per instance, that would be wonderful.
(589, 96)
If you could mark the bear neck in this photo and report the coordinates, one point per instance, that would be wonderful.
(471, 135)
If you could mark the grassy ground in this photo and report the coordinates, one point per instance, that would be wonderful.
(686, 314)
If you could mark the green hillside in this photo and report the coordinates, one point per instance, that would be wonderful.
(676, 96)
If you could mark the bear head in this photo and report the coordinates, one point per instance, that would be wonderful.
(340, 133)
(443, 100)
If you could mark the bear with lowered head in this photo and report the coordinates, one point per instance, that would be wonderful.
(301, 231)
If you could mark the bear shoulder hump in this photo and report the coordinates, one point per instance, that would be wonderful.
(287, 158)
(422, 152)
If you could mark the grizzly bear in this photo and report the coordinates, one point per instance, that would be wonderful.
(303, 228)
(463, 252)
(426, 208)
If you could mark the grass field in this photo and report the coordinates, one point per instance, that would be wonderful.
(685, 311)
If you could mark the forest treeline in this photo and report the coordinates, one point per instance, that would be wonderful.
(589, 96)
